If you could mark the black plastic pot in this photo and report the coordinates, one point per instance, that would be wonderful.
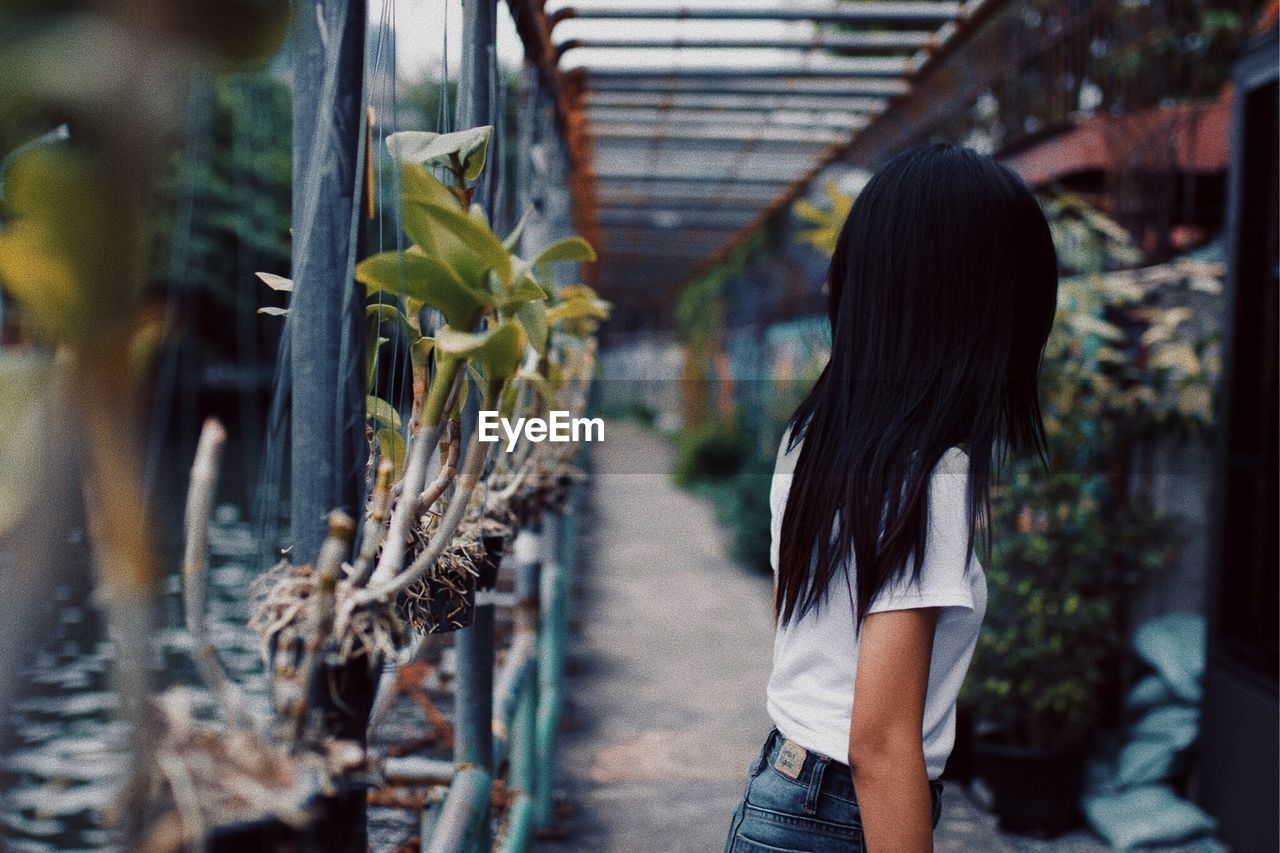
(445, 606)
(1035, 792)
(960, 764)
(266, 835)
(495, 545)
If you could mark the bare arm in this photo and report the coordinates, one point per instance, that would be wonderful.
(885, 750)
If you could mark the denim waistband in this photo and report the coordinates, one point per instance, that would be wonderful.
(830, 776)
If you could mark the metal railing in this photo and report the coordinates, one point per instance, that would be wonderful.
(506, 720)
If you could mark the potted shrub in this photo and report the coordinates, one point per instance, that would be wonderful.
(1062, 560)
(1125, 364)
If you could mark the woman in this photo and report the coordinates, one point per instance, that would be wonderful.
(941, 294)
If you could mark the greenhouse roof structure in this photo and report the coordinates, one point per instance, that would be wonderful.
(690, 124)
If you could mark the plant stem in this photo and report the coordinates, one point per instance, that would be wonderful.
(195, 566)
(425, 439)
(472, 468)
(447, 471)
(328, 569)
(375, 529)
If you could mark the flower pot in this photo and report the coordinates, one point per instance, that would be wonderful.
(440, 604)
(960, 764)
(1036, 792)
(266, 834)
(495, 545)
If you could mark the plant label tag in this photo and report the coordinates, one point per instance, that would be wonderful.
(790, 760)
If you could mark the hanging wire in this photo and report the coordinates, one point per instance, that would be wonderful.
(195, 159)
(381, 78)
(444, 121)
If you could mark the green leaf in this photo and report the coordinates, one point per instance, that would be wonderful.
(385, 313)
(577, 308)
(542, 385)
(419, 186)
(276, 282)
(62, 255)
(460, 241)
(464, 388)
(380, 411)
(392, 446)
(533, 317)
(426, 280)
(497, 351)
(525, 289)
(373, 343)
(512, 241)
(25, 421)
(568, 249)
(470, 147)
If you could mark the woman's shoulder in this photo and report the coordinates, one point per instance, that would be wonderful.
(953, 463)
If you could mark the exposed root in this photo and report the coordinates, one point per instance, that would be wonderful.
(443, 598)
(207, 776)
(280, 615)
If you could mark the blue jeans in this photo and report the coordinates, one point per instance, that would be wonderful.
(814, 812)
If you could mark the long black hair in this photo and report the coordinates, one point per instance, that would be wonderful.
(942, 291)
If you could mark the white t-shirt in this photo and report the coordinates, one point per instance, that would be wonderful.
(815, 658)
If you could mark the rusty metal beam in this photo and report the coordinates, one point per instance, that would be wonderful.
(893, 67)
(744, 85)
(866, 14)
(867, 43)
(733, 102)
(975, 14)
(534, 31)
(718, 133)
(998, 42)
(831, 120)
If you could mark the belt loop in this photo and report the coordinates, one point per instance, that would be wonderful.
(815, 783)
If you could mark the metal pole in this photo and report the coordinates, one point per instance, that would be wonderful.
(326, 339)
(522, 773)
(326, 311)
(473, 709)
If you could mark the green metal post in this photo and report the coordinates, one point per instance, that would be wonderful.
(560, 549)
(522, 769)
(473, 709)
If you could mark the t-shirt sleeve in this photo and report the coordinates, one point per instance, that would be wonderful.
(944, 578)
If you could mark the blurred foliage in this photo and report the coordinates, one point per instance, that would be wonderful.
(54, 257)
(748, 513)
(1168, 50)
(1124, 366)
(825, 221)
(711, 453)
(234, 184)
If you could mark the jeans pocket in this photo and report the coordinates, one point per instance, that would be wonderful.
(768, 830)
(746, 845)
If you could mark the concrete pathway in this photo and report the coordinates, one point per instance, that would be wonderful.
(668, 672)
